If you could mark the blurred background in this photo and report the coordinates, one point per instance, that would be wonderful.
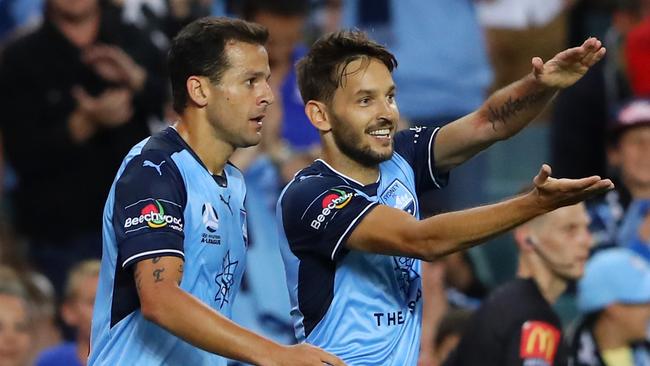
(65, 60)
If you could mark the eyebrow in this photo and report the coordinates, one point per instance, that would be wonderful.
(373, 91)
(256, 74)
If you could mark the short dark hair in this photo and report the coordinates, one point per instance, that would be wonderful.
(288, 8)
(323, 69)
(199, 49)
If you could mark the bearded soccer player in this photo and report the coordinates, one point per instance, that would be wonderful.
(175, 223)
(355, 240)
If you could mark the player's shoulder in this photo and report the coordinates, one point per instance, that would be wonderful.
(312, 182)
(156, 151)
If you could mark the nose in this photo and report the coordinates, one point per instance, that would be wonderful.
(389, 111)
(587, 238)
(266, 97)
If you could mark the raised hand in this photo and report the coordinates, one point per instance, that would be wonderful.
(553, 193)
(115, 65)
(568, 66)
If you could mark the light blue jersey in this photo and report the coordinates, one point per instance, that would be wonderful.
(164, 202)
(365, 308)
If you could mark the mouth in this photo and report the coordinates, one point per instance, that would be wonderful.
(382, 134)
(258, 121)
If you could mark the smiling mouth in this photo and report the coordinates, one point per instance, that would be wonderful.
(382, 133)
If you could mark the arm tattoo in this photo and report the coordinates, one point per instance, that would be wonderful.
(157, 274)
(180, 271)
(511, 107)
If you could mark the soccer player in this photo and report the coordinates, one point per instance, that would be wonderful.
(174, 223)
(516, 325)
(351, 218)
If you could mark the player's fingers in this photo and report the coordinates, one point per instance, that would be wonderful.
(538, 66)
(331, 359)
(590, 43)
(574, 185)
(595, 57)
(542, 176)
(573, 54)
(601, 186)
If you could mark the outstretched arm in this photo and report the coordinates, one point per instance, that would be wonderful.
(166, 304)
(391, 231)
(510, 109)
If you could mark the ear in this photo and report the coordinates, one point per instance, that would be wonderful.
(317, 114)
(197, 90)
(522, 236)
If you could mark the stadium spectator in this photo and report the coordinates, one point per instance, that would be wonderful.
(616, 217)
(614, 297)
(16, 332)
(76, 94)
(451, 329)
(76, 312)
(516, 325)
(581, 114)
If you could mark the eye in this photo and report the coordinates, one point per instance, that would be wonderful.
(391, 98)
(365, 101)
(250, 82)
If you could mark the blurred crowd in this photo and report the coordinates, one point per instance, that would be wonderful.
(81, 81)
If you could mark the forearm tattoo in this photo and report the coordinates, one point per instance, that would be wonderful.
(157, 273)
(511, 107)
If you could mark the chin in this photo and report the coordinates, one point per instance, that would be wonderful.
(249, 142)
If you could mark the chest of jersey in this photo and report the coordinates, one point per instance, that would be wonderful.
(215, 239)
(397, 189)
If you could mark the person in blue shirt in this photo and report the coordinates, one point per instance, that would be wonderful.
(351, 219)
(175, 231)
(618, 215)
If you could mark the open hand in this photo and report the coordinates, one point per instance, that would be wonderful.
(568, 66)
(553, 193)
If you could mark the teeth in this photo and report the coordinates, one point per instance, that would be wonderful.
(384, 131)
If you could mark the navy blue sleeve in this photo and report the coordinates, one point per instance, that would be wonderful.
(318, 216)
(415, 145)
(150, 198)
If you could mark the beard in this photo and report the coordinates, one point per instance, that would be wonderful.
(351, 144)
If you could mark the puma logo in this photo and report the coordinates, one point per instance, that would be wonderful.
(226, 202)
(148, 163)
